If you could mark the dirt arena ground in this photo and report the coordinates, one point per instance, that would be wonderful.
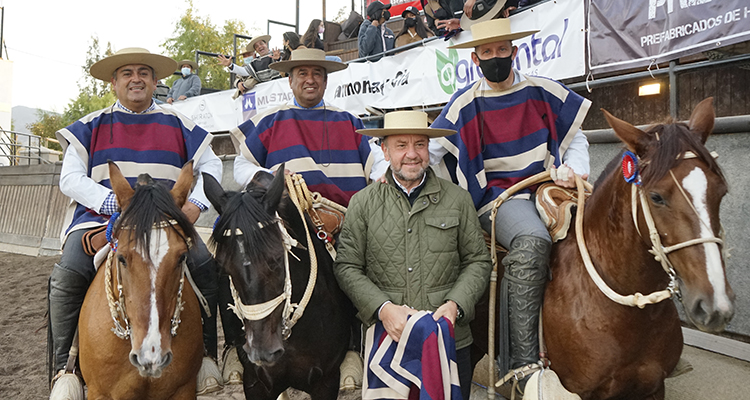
(23, 289)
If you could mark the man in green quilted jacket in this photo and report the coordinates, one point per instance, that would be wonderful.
(413, 243)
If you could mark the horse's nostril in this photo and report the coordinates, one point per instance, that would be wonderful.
(277, 354)
(134, 359)
(166, 359)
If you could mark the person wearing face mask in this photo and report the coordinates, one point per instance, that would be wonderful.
(510, 127)
(254, 70)
(414, 29)
(311, 38)
(188, 86)
(374, 37)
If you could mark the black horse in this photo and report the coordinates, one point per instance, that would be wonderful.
(252, 246)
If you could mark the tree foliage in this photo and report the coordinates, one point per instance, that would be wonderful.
(192, 33)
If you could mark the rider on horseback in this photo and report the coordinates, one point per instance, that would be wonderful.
(144, 138)
(510, 127)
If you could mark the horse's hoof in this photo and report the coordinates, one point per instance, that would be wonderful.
(66, 387)
(209, 378)
(351, 372)
(231, 369)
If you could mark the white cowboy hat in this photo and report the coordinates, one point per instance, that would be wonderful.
(467, 22)
(495, 30)
(315, 57)
(192, 64)
(406, 123)
(250, 48)
(104, 68)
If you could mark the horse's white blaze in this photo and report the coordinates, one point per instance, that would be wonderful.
(151, 347)
(696, 185)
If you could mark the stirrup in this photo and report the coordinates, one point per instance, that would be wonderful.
(209, 378)
(352, 372)
(66, 386)
(231, 368)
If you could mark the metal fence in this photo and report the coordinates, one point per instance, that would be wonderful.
(18, 148)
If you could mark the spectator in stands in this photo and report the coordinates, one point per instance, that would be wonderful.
(374, 36)
(188, 86)
(311, 38)
(511, 5)
(443, 15)
(414, 29)
(255, 69)
(291, 43)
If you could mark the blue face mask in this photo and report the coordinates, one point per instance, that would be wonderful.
(247, 60)
(185, 71)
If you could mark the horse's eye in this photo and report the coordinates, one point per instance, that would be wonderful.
(657, 199)
(121, 260)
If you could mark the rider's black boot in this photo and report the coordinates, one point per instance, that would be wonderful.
(526, 272)
(205, 275)
(66, 292)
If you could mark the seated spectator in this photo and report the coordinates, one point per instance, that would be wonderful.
(291, 42)
(443, 15)
(161, 92)
(255, 70)
(476, 11)
(188, 86)
(511, 5)
(374, 37)
(311, 38)
(414, 29)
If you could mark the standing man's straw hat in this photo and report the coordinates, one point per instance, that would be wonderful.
(495, 30)
(406, 123)
(106, 67)
(308, 57)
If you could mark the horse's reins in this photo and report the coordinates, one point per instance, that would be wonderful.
(117, 306)
(292, 312)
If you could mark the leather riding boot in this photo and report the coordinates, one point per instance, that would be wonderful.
(527, 271)
(66, 292)
(206, 278)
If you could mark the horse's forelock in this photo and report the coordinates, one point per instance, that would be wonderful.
(151, 205)
(664, 153)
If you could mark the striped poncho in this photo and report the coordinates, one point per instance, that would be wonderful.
(506, 136)
(158, 142)
(320, 143)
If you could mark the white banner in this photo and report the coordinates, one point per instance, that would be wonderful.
(422, 76)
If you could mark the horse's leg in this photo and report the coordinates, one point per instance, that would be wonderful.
(327, 388)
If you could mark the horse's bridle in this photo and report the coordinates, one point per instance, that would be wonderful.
(117, 306)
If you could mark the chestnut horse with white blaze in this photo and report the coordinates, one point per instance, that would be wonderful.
(140, 328)
(651, 226)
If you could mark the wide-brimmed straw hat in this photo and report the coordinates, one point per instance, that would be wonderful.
(163, 66)
(315, 57)
(406, 123)
(192, 64)
(493, 12)
(250, 48)
(495, 30)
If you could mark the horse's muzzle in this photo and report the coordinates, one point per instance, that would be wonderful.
(709, 315)
(150, 368)
(262, 357)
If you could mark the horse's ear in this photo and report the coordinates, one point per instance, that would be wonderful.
(629, 134)
(273, 196)
(120, 185)
(214, 192)
(702, 119)
(183, 185)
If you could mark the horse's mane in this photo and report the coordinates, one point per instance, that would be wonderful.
(245, 213)
(151, 205)
(674, 139)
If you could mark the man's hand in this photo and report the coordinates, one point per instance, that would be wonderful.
(394, 319)
(286, 172)
(565, 176)
(449, 310)
(191, 211)
(448, 24)
(276, 54)
(375, 22)
(241, 87)
(183, 97)
(505, 13)
(224, 61)
(468, 7)
(170, 100)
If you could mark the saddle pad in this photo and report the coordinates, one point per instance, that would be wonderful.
(554, 204)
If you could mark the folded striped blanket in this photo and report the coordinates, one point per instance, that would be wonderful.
(422, 365)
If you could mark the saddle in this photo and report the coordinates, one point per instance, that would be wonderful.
(94, 239)
(555, 204)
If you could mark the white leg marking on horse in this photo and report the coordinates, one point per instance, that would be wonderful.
(695, 184)
(151, 347)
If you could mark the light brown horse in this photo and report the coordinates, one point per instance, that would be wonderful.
(604, 350)
(135, 295)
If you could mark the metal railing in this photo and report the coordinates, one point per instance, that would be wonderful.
(18, 148)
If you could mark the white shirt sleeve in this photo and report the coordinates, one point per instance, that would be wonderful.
(577, 154)
(379, 165)
(245, 170)
(211, 165)
(76, 184)
(237, 70)
(437, 152)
